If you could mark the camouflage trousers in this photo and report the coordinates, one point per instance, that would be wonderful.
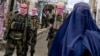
(10, 46)
(32, 43)
(45, 23)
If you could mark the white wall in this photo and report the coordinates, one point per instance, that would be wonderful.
(32, 4)
(91, 3)
(98, 12)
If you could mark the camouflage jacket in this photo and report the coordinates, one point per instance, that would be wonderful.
(34, 22)
(8, 30)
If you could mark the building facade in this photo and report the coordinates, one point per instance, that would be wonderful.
(93, 5)
(95, 8)
(33, 3)
(98, 13)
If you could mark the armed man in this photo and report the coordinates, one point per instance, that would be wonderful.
(32, 33)
(55, 25)
(52, 31)
(16, 31)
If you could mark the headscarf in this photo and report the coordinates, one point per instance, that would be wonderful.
(33, 12)
(23, 9)
(78, 33)
(60, 9)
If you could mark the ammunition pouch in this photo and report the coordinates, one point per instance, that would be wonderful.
(17, 26)
(16, 35)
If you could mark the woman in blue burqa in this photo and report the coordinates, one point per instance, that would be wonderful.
(78, 35)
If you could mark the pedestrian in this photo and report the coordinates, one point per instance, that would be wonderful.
(32, 33)
(78, 35)
(16, 31)
(44, 19)
(52, 31)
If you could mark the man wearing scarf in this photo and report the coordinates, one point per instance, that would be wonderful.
(78, 35)
(55, 25)
(32, 33)
(59, 15)
(15, 33)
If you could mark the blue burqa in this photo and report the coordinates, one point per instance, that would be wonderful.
(78, 34)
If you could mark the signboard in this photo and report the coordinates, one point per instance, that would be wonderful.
(19, 1)
(42, 0)
(53, 1)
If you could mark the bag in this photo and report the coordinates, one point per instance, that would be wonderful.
(15, 35)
